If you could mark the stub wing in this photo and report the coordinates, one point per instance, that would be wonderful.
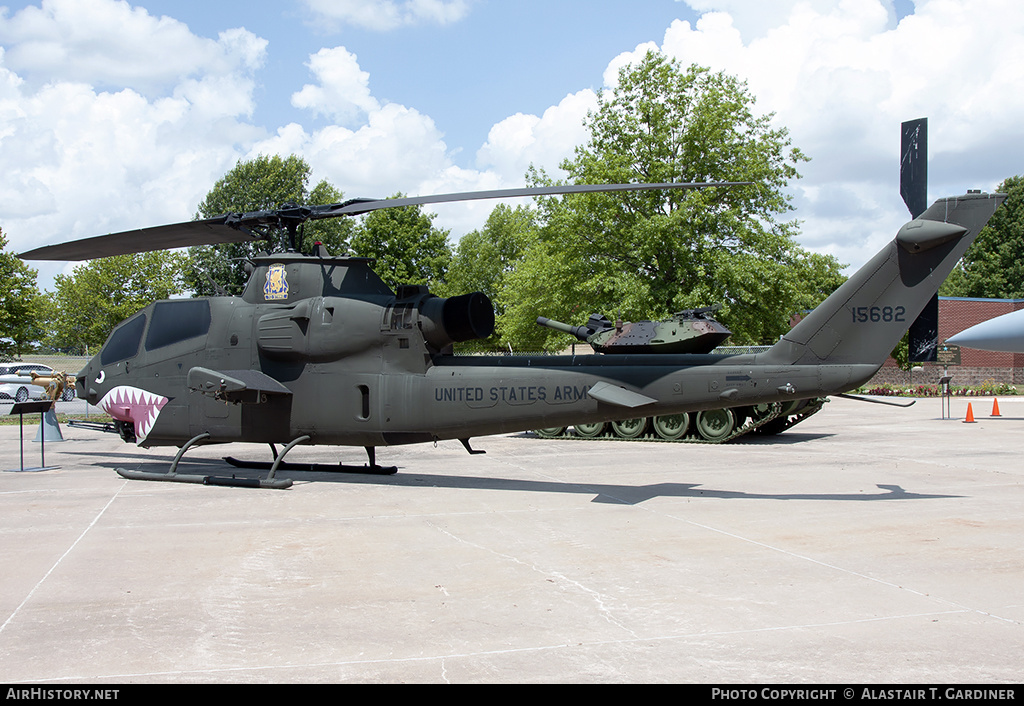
(245, 386)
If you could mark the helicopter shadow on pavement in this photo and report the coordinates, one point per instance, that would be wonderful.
(620, 494)
(615, 494)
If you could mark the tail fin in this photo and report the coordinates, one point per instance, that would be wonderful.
(863, 320)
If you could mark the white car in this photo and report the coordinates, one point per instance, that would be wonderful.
(19, 392)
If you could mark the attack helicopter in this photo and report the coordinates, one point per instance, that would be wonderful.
(318, 350)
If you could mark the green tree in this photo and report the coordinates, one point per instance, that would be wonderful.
(20, 303)
(261, 184)
(484, 258)
(645, 255)
(993, 266)
(408, 249)
(99, 294)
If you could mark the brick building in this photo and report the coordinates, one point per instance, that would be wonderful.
(955, 315)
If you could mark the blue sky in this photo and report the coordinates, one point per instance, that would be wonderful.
(115, 115)
(501, 58)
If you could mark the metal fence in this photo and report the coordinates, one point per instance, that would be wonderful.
(64, 363)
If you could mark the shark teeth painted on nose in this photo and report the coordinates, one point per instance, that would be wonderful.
(130, 404)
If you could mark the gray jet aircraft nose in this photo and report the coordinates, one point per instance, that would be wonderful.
(1003, 334)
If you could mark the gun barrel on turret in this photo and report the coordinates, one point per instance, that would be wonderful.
(580, 332)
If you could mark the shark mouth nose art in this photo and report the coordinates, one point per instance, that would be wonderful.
(130, 404)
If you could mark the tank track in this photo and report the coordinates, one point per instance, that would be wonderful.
(777, 418)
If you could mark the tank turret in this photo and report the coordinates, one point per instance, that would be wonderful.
(690, 331)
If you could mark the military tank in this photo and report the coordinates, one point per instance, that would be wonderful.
(690, 331)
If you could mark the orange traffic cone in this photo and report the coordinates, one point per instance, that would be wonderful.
(995, 408)
(970, 415)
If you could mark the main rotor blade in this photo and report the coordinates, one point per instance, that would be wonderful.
(177, 235)
(238, 227)
(359, 206)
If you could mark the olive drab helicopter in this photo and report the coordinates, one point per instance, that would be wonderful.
(318, 350)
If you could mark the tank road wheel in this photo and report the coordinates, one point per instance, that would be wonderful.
(792, 406)
(630, 428)
(781, 423)
(589, 431)
(550, 432)
(716, 424)
(672, 426)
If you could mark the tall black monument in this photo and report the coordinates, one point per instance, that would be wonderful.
(924, 332)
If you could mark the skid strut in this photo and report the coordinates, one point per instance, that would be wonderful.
(173, 476)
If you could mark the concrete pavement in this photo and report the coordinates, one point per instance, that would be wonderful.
(868, 544)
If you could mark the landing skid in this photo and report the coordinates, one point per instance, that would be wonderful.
(173, 476)
(274, 466)
(207, 480)
(372, 469)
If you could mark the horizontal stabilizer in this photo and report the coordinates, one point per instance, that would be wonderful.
(619, 396)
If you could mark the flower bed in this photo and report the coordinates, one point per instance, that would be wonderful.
(988, 388)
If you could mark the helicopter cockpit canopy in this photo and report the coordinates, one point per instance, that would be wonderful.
(170, 322)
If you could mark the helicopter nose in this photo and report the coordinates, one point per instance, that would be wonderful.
(88, 380)
(82, 390)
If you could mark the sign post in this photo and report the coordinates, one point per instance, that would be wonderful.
(947, 355)
(21, 409)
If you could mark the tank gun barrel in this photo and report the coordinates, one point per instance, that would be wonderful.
(580, 332)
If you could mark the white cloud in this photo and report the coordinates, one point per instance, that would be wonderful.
(130, 132)
(754, 18)
(521, 140)
(380, 148)
(343, 92)
(105, 44)
(111, 118)
(383, 15)
(376, 149)
(842, 76)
